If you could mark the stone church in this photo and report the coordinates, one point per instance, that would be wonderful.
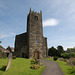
(32, 43)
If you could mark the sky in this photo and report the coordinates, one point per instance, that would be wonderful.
(58, 18)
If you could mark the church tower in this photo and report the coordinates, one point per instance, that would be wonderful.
(32, 43)
(35, 34)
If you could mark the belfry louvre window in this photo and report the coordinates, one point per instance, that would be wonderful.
(35, 18)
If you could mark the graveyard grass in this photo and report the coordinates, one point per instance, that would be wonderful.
(19, 66)
(64, 67)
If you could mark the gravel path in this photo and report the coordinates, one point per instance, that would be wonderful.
(52, 68)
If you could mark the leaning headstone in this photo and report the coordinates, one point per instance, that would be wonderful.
(9, 62)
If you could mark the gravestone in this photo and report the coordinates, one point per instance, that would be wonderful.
(9, 62)
(10, 55)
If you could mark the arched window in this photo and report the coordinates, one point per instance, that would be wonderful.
(35, 18)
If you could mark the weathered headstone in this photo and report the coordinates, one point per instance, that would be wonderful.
(9, 62)
(10, 55)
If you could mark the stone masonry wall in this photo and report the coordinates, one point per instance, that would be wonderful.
(45, 47)
(33, 40)
(20, 43)
(35, 33)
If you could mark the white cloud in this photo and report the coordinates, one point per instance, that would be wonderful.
(71, 46)
(6, 35)
(51, 22)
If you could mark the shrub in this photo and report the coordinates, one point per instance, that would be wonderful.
(13, 57)
(65, 60)
(73, 62)
(69, 62)
(73, 65)
(61, 59)
(68, 55)
(35, 63)
(65, 55)
(55, 58)
(73, 69)
(35, 66)
(72, 58)
(0, 51)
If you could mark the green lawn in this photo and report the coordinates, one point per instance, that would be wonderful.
(64, 67)
(19, 66)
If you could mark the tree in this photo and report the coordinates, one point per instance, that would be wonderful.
(60, 49)
(69, 50)
(0, 41)
(52, 51)
(68, 55)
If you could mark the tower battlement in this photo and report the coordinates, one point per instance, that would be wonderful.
(34, 12)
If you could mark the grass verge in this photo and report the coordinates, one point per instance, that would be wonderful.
(19, 66)
(67, 70)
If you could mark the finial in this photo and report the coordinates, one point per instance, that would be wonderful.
(30, 9)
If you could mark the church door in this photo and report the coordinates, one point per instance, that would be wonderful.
(37, 54)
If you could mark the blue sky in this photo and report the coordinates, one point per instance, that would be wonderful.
(58, 20)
